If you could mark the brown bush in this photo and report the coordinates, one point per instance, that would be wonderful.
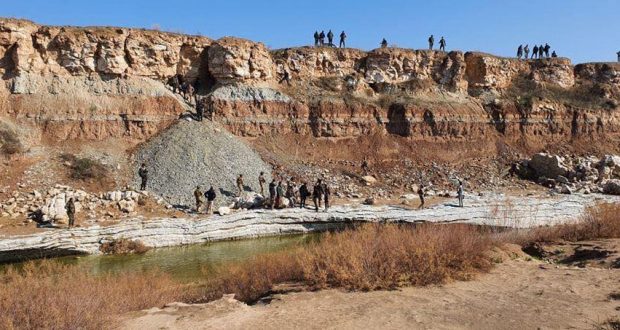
(368, 258)
(85, 168)
(48, 295)
(123, 246)
(598, 222)
(9, 142)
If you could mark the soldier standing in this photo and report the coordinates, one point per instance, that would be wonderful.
(70, 208)
(421, 195)
(316, 38)
(547, 48)
(261, 183)
(317, 194)
(526, 50)
(442, 44)
(200, 109)
(520, 51)
(535, 52)
(618, 53)
(541, 51)
(143, 172)
(210, 194)
(199, 200)
(330, 38)
(326, 193)
(285, 77)
(322, 38)
(343, 37)
(384, 43)
(240, 184)
(303, 195)
(175, 83)
(279, 195)
(272, 193)
(431, 42)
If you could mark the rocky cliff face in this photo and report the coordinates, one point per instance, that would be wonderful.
(96, 83)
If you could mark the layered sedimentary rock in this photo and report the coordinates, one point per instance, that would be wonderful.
(496, 210)
(95, 82)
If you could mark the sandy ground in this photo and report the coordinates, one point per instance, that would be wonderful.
(517, 294)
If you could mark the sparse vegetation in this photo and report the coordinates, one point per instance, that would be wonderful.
(123, 246)
(85, 168)
(49, 295)
(9, 142)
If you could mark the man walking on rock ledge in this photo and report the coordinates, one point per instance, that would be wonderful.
(143, 173)
(239, 185)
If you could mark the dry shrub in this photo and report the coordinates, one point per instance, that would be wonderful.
(123, 246)
(9, 142)
(48, 295)
(599, 222)
(85, 168)
(371, 257)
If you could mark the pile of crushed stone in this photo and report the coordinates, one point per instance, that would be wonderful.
(191, 153)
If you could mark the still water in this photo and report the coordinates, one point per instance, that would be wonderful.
(186, 263)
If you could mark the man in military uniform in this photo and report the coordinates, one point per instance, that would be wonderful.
(431, 42)
(199, 200)
(526, 50)
(618, 53)
(541, 51)
(316, 38)
(421, 195)
(303, 195)
(240, 185)
(520, 51)
(143, 172)
(554, 55)
(326, 194)
(547, 48)
(535, 52)
(70, 208)
(317, 194)
(272, 193)
(200, 109)
(286, 76)
(261, 183)
(330, 38)
(442, 44)
(175, 83)
(343, 37)
(322, 38)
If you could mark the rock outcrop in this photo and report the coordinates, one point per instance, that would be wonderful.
(496, 210)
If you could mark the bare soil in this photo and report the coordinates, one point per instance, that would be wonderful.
(519, 293)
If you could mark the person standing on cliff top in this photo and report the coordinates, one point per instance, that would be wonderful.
(431, 42)
(384, 43)
(343, 37)
(143, 173)
(322, 38)
(618, 53)
(316, 38)
(535, 52)
(330, 38)
(553, 54)
(541, 51)
(442, 44)
(547, 48)
(526, 50)
(70, 208)
(199, 200)
(520, 51)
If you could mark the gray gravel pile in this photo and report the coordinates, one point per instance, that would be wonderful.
(193, 153)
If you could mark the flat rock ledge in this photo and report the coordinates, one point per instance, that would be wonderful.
(492, 210)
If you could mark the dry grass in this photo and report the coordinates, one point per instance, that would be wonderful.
(48, 295)
(371, 257)
(600, 222)
(123, 246)
(85, 168)
(9, 142)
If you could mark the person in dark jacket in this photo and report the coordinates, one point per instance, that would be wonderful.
(322, 38)
(535, 52)
(326, 194)
(343, 38)
(210, 194)
(316, 38)
(143, 172)
(330, 38)
(279, 195)
(303, 195)
(431, 42)
(272, 193)
(317, 194)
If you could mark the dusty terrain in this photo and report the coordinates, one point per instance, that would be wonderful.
(519, 293)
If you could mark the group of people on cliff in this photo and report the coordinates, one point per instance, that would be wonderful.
(539, 52)
(319, 39)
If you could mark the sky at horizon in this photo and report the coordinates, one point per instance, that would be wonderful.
(583, 30)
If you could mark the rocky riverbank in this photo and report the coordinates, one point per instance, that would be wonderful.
(491, 209)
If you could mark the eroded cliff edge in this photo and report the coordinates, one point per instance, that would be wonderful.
(101, 82)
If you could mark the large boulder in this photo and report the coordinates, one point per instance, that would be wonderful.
(548, 166)
(249, 200)
(611, 187)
